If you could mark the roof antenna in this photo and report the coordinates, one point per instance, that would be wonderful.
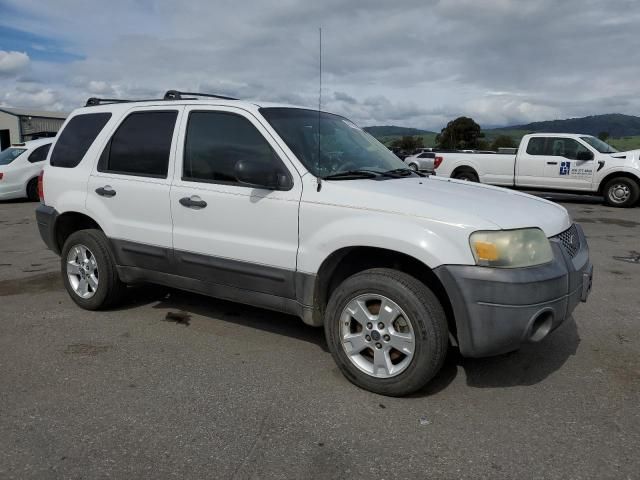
(319, 106)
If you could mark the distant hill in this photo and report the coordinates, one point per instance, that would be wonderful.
(616, 124)
(392, 131)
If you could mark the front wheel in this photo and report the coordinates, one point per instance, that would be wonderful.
(413, 167)
(621, 192)
(386, 331)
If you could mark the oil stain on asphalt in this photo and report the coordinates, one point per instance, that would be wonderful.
(609, 221)
(42, 282)
(180, 318)
(634, 257)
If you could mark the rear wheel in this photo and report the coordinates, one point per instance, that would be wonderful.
(89, 270)
(32, 190)
(621, 192)
(386, 331)
(466, 175)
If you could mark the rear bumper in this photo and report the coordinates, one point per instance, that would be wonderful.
(46, 218)
(497, 310)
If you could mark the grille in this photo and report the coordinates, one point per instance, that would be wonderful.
(570, 240)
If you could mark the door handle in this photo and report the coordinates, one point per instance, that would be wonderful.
(552, 163)
(193, 201)
(106, 191)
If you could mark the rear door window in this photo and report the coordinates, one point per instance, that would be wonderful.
(76, 138)
(141, 145)
(40, 154)
(536, 146)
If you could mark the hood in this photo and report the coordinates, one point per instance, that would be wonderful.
(445, 200)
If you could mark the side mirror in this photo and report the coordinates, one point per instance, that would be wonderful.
(584, 155)
(261, 175)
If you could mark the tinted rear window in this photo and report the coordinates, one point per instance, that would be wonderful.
(40, 154)
(141, 146)
(76, 138)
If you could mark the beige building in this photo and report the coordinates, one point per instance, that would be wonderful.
(19, 125)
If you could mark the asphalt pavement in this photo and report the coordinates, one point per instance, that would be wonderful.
(178, 385)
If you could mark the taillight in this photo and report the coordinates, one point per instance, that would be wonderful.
(41, 186)
(1, 175)
(437, 161)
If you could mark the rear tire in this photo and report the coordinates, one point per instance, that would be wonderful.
(466, 175)
(89, 270)
(32, 190)
(408, 316)
(621, 192)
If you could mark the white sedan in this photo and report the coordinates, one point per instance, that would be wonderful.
(424, 161)
(20, 165)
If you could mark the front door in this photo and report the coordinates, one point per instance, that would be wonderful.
(555, 162)
(568, 164)
(225, 232)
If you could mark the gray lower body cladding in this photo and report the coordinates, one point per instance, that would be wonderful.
(497, 310)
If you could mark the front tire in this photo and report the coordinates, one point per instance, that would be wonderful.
(413, 167)
(89, 270)
(621, 192)
(386, 331)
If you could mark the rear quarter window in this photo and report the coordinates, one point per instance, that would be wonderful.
(39, 154)
(76, 138)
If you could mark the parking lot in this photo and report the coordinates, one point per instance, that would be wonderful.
(174, 384)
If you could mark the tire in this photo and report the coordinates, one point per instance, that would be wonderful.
(108, 289)
(413, 167)
(32, 190)
(424, 319)
(621, 192)
(467, 176)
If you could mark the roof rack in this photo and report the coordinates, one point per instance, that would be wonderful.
(177, 95)
(94, 101)
(170, 95)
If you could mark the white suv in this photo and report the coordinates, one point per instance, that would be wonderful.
(303, 212)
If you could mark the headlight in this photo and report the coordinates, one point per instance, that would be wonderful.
(511, 248)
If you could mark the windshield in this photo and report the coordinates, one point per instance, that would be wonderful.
(10, 154)
(343, 147)
(599, 145)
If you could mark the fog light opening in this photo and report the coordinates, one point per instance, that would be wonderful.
(541, 326)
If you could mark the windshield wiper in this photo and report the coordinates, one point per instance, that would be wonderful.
(402, 172)
(352, 174)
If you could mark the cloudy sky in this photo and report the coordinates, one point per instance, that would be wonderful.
(412, 63)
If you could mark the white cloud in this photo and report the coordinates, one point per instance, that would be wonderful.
(413, 62)
(12, 63)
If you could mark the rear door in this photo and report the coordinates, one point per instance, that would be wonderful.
(128, 190)
(225, 232)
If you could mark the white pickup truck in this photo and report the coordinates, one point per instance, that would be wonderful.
(554, 161)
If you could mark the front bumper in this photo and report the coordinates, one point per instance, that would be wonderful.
(497, 310)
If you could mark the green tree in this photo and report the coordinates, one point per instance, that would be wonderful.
(408, 143)
(604, 136)
(503, 141)
(461, 133)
